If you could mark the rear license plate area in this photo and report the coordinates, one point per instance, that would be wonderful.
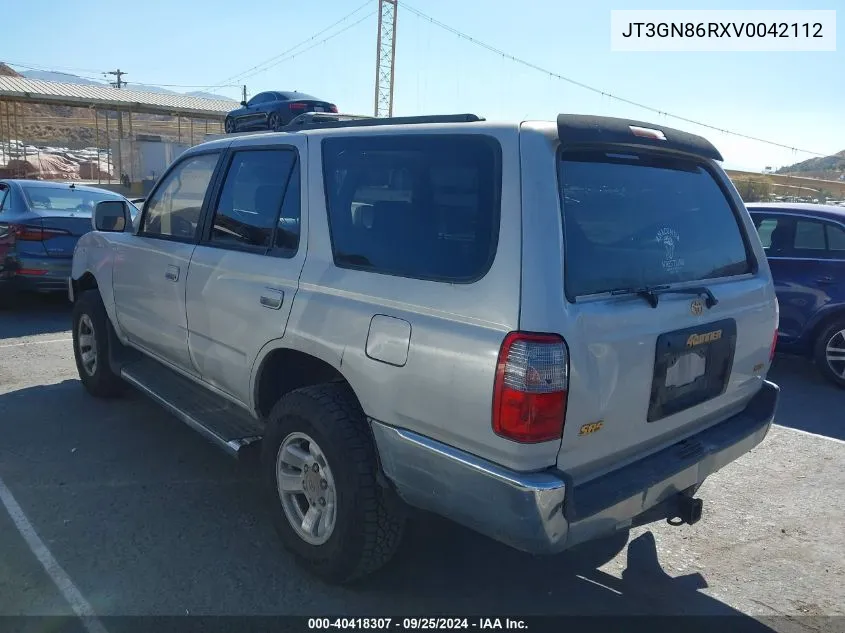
(691, 366)
(319, 109)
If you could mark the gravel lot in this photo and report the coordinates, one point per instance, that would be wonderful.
(147, 518)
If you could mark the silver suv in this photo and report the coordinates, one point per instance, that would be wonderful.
(546, 331)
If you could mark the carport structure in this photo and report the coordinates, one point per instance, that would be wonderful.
(110, 111)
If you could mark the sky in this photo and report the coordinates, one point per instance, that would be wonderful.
(793, 98)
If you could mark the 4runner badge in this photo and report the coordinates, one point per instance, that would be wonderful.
(700, 339)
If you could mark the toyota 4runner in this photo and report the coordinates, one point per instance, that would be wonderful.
(548, 332)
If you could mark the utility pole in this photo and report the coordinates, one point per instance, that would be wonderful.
(118, 84)
(119, 74)
(385, 57)
(244, 94)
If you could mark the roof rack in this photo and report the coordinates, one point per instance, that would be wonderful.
(318, 120)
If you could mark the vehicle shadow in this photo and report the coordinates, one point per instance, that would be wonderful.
(807, 401)
(35, 314)
(491, 578)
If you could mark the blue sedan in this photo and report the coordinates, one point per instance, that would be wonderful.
(40, 223)
(805, 246)
(273, 110)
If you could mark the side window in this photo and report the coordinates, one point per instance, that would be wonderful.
(248, 209)
(174, 208)
(413, 206)
(836, 240)
(809, 236)
(776, 234)
(765, 228)
(4, 195)
(258, 99)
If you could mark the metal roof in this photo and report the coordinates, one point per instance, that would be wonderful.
(78, 95)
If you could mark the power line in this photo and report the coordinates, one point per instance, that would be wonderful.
(240, 76)
(308, 48)
(604, 93)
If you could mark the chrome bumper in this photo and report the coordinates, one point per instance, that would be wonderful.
(546, 512)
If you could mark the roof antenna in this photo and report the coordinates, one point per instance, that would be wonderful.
(72, 186)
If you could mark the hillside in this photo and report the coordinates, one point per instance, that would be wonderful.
(825, 167)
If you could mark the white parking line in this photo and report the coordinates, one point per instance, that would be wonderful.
(821, 437)
(74, 597)
(52, 340)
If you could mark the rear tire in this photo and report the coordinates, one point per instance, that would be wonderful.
(366, 520)
(229, 125)
(829, 352)
(91, 346)
(274, 122)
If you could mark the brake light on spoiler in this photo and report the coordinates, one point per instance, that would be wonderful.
(645, 132)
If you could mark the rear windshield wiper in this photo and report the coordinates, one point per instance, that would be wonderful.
(652, 293)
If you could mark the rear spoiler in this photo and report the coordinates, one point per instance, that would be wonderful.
(586, 130)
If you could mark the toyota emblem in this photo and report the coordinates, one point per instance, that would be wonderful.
(697, 307)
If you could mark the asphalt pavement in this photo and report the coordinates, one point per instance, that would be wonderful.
(146, 518)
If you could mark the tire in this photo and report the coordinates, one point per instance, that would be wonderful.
(229, 125)
(274, 123)
(831, 338)
(368, 519)
(90, 320)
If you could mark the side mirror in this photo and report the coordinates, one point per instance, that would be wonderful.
(111, 216)
(243, 103)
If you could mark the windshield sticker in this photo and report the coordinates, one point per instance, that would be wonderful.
(669, 238)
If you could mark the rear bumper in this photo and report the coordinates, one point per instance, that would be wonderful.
(545, 512)
(36, 274)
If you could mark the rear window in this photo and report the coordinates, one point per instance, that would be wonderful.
(638, 220)
(64, 199)
(425, 207)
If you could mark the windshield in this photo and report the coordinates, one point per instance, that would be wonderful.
(636, 220)
(64, 199)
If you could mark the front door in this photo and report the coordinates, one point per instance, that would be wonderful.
(151, 267)
(245, 271)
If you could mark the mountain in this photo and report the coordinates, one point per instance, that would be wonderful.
(825, 167)
(49, 75)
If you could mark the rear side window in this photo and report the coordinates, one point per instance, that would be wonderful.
(809, 236)
(253, 194)
(425, 207)
(639, 220)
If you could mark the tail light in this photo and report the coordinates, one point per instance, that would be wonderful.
(298, 106)
(774, 345)
(332, 108)
(30, 233)
(530, 389)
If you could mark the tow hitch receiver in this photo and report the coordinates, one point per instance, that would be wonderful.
(688, 511)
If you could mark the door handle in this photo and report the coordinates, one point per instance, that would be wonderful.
(172, 273)
(827, 279)
(272, 299)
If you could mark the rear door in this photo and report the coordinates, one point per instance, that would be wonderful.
(244, 273)
(646, 236)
